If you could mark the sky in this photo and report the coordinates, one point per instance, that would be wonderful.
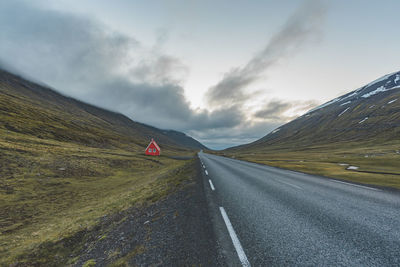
(224, 72)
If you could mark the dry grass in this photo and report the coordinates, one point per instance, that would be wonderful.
(51, 190)
(377, 163)
(65, 164)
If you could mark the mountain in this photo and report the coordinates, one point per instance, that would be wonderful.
(32, 109)
(370, 113)
(183, 139)
(68, 171)
(354, 137)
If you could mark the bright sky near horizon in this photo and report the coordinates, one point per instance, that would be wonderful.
(228, 72)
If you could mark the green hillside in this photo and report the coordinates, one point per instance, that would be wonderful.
(65, 164)
(360, 129)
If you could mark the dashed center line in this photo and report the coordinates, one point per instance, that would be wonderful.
(206, 172)
(235, 239)
(356, 185)
(211, 185)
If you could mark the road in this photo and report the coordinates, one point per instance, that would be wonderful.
(286, 218)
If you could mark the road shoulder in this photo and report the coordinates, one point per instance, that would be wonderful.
(175, 231)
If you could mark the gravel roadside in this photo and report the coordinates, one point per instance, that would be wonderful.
(175, 231)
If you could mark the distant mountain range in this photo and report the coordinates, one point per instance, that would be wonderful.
(32, 109)
(368, 114)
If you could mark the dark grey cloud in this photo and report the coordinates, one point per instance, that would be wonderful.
(275, 110)
(85, 59)
(274, 114)
(164, 105)
(248, 131)
(64, 50)
(302, 26)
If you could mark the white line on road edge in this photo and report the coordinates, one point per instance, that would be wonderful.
(295, 186)
(211, 185)
(235, 240)
(206, 172)
(361, 186)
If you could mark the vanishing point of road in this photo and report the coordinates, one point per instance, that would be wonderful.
(276, 217)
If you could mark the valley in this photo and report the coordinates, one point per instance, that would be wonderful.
(72, 174)
(64, 165)
(199, 133)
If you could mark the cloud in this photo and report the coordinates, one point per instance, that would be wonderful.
(274, 110)
(164, 105)
(303, 26)
(59, 48)
(277, 110)
(248, 131)
(85, 59)
(258, 124)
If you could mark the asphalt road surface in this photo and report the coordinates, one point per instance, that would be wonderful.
(275, 217)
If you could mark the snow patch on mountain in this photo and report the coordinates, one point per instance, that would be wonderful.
(390, 84)
(343, 111)
(377, 91)
(366, 118)
(345, 103)
(324, 105)
(379, 80)
(276, 130)
(397, 78)
(351, 95)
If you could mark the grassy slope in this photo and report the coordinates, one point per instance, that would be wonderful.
(62, 168)
(35, 110)
(319, 142)
(326, 159)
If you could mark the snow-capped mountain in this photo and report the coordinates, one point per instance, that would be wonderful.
(386, 83)
(368, 114)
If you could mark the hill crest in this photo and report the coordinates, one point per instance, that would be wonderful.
(34, 109)
(370, 113)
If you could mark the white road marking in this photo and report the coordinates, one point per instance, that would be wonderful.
(211, 185)
(206, 172)
(235, 239)
(295, 186)
(204, 166)
(361, 186)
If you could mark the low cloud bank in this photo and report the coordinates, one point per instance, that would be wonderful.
(85, 59)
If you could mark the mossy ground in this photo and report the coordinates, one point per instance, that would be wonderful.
(51, 190)
(377, 164)
(65, 164)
